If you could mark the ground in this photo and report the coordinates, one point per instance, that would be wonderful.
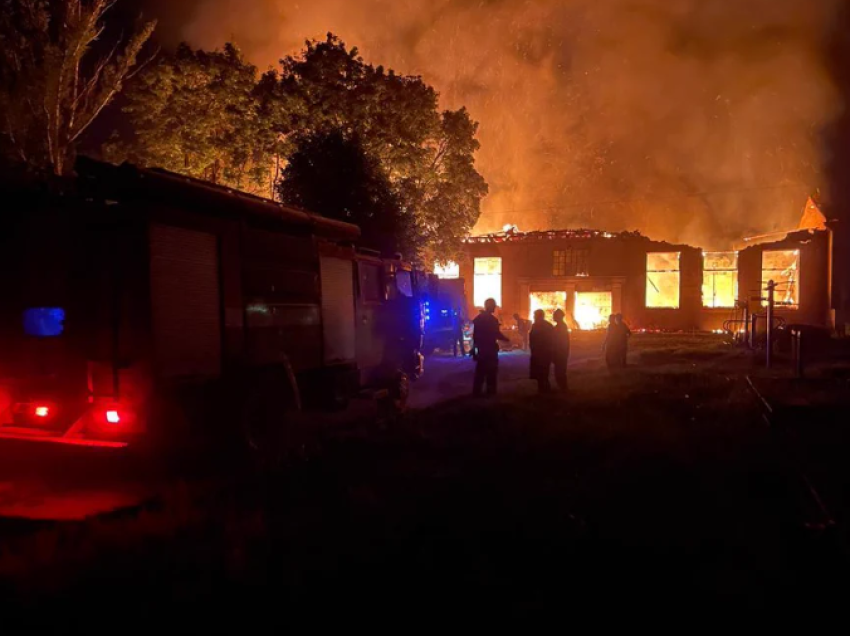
(658, 488)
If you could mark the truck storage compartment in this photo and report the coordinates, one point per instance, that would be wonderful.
(185, 302)
(338, 310)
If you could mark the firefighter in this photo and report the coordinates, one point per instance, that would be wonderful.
(522, 327)
(561, 349)
(541, 341)
(485, 349)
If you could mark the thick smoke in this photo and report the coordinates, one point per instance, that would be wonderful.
(691, 120)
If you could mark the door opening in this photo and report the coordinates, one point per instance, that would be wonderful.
(593, 309)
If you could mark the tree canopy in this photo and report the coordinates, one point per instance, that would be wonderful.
(206, 114)
(54, 82)
(361, 194)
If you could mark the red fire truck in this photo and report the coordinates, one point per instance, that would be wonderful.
(143, 305)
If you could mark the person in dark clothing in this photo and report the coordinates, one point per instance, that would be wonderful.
(485, 349)
(457, 333)
(541, 340)
(616, 342)
(625, 334)
(522, 327)
(561, 349)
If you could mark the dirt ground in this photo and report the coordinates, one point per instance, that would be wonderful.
(656, 490)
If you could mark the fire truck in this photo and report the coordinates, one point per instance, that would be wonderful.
(141, 306)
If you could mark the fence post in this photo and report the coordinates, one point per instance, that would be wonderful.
(797, 352)
(771, 287)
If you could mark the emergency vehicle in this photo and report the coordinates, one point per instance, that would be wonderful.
(139, 305)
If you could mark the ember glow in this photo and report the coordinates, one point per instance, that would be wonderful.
(592, 309)
(695, 121)
(548, 302)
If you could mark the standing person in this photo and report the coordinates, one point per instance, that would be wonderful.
(561, 349)
(611, 345)
(485, 349)
(540, 340)
(457, 333)
(522, 327)
(625, 334)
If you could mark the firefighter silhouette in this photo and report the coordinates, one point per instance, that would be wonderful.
(486, 335)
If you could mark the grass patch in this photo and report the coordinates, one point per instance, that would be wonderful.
(656, 480)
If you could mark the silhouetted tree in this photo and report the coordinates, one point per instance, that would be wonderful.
(53, 84)
(428, 157)
(205, 114)
(332, 174)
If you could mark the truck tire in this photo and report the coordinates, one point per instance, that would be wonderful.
(270, 417)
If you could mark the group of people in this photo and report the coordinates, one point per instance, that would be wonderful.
(616, 345)
(549, 344)
(550, 347)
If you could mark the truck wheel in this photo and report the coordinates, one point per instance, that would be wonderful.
(270, 416)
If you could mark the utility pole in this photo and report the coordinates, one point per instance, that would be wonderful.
(771, 287)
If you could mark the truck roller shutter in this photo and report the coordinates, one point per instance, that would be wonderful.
(337, 309)
(186, 308)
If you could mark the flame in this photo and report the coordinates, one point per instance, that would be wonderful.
(592, 309)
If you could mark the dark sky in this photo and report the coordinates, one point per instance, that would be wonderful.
(692, 120)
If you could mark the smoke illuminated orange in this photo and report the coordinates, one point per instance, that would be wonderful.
(697, 122)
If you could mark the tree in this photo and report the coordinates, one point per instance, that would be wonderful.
(53, 83)
(427, 156)
(451, 189)
(332, 174)
(204, 114)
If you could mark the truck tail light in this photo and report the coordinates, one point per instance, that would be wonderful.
(41, 411)
(113, 417)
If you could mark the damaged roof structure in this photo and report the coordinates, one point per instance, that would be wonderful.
(593, 273)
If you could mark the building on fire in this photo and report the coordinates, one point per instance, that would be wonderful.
(655, 284)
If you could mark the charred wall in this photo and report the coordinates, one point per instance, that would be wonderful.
(614, 264)
(618, 263)
(813, 307)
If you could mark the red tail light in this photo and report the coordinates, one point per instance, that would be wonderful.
(41, 411)
(113, 417)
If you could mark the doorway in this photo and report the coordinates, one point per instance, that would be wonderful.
(592, 309)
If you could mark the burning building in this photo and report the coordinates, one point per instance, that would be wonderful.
(655, 284)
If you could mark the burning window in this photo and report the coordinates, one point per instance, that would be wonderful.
(783, 268)
(487, 281)
(662, 279)
(719, 279)
(548, 302)
(593, 309)
(569, 262)
(449, 270)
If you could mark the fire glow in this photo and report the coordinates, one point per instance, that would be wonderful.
(592, 309)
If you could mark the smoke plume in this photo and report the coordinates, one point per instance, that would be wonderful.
(690, 120)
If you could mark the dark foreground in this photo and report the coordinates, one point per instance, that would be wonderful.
(654, 491)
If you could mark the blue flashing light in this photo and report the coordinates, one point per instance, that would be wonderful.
(44, 322)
